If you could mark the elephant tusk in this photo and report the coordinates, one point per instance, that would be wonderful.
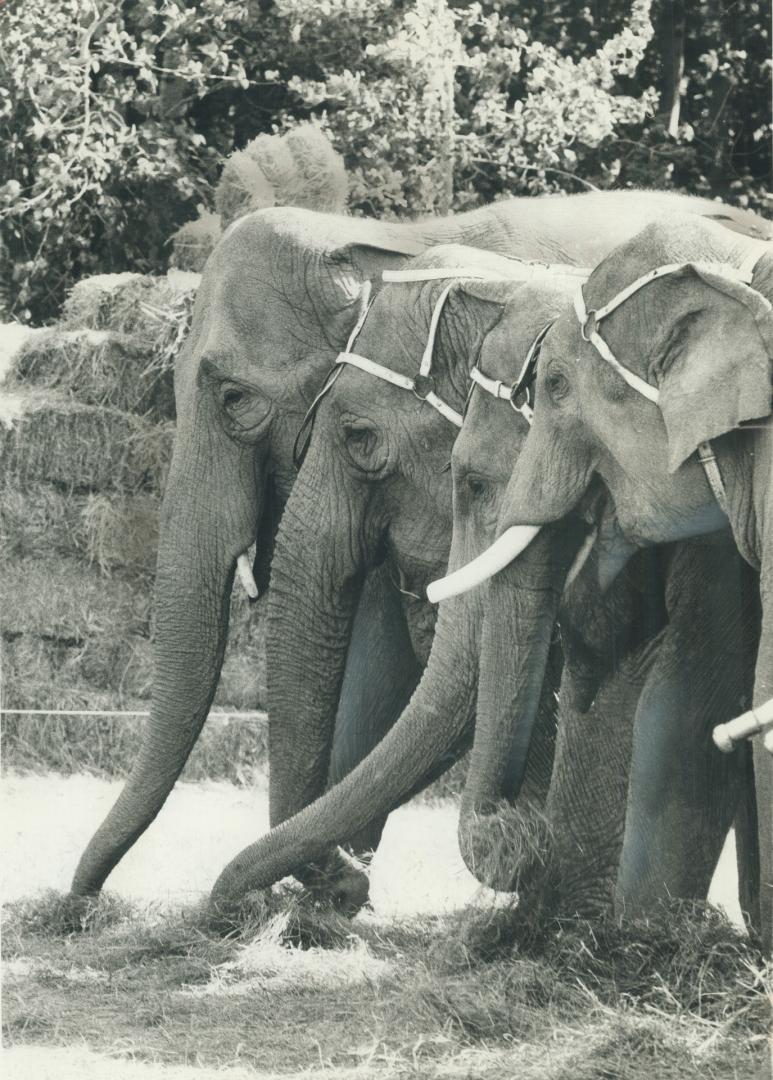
(581, 557)
(244, 570)
(754, 721)
(501, 553)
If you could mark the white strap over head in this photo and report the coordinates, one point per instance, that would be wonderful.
(422, 385)
(589, 321)
(518, 271)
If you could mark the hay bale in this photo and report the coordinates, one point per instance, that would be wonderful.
(121, 531)
(108, 531)
(194, 242)
(51, 439)
(91, 301)
(12, 337)
(100, 671)
(155, 312)
(99, 367)
(66, 601)
(300, 168)
(65, 626)
(41, 521)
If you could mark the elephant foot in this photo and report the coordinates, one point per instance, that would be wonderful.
(510, 849)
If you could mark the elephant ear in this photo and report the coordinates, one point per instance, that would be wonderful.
(716, 371)
(343, 285)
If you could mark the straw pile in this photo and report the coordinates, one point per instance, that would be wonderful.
(300, 168)
(54, 439)
(86, 432)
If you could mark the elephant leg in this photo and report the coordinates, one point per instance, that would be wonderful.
(381, 674)
(586, 804)
(683, 793)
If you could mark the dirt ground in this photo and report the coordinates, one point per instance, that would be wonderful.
(47, 820)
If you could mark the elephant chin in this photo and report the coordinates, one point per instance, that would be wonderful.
(510, 848)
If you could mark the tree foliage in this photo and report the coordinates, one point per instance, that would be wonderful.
(115, 115)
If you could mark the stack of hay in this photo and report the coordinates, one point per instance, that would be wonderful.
(86, 432)
(86, 429)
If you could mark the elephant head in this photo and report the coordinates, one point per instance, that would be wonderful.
(399, 451)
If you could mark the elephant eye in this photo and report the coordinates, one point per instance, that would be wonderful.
(557, 385)
(245, 409)
(359, 437)
(480, 489)
(364, 444)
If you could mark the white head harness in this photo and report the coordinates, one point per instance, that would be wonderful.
(589, 321)
(422, 385)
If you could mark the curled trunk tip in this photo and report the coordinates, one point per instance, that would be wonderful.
(509, 847)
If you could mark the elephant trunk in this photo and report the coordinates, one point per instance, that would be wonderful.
(195, 573)
(430, 734)
(499, 842)
(315, 585)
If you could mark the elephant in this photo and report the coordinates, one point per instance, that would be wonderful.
(656, 382)
(278, 299)
(610, 642)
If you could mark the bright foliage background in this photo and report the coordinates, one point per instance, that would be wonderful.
(115, 116)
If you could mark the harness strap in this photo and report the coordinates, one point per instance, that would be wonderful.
(422, 384)
(708, 460)
(522, 271)
(426, 357)
(510, 393)
(495, 387)
(373, 368)
(743, 274)
(589, 319)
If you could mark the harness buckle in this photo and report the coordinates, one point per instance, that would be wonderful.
(590, 320)
(519, 397)
(423, 386)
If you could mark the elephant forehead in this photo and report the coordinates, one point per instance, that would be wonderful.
(491, 433)
(506, 347)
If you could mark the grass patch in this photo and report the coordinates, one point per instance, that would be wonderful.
(232, 749)
(679, 995)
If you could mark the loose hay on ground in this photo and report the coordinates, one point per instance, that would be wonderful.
(51, 439)
(378, 997)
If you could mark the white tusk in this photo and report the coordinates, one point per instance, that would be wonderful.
(244, 570)
(501, 553)
(749, 723)
(581, 557)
